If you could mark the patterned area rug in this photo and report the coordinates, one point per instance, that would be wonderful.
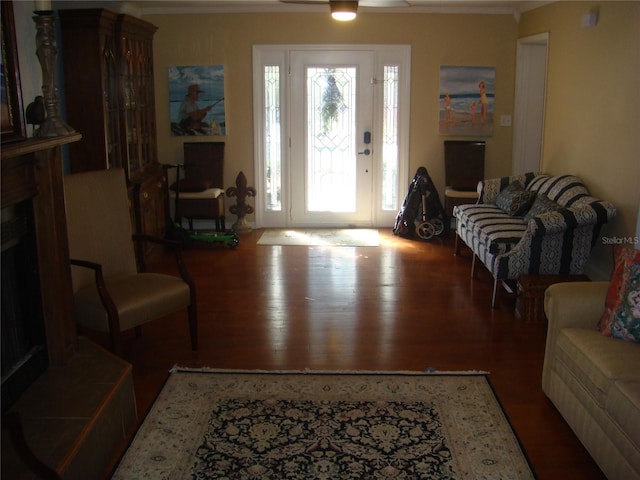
(321, 237)
(248, 425)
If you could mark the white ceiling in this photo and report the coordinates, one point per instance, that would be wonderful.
(149, 7)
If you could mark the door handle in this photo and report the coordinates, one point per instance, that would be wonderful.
(366, 141)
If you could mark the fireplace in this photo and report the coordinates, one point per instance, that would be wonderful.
(75, 400)
(37, 327)
(24, 352)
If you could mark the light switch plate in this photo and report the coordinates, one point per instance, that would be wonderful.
(505, 120)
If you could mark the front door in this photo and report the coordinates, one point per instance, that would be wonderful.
(331, 144)
(331, 134)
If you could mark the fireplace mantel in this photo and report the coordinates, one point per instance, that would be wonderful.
(32, 169)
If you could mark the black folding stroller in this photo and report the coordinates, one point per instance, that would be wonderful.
(421, 213)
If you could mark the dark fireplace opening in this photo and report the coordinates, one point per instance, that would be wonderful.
(24, 352)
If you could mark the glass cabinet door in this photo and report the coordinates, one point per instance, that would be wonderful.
(138, 103)
(146, 97)
(130, 102)
(111, 101)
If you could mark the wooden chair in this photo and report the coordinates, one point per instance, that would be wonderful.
(110, 294)
(200, 194)
(463, 169)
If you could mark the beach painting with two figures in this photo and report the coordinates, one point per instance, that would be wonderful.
(196, 100)
(467, 97)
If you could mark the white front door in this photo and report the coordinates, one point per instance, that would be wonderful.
(331, 145)
(331, 134)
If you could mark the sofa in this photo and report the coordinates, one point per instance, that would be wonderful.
(531, 224)
(592, 379)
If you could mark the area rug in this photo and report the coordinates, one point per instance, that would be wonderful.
(248, 425)
(327, 237)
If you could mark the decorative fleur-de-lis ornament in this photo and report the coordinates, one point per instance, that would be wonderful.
(241, 209)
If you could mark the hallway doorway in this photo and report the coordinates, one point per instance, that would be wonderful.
(530, 95)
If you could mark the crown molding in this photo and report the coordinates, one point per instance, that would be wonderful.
(140, 8)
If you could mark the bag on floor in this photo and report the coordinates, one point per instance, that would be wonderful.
(412, 206)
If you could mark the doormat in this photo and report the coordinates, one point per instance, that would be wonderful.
(322, 425)
(321, 237)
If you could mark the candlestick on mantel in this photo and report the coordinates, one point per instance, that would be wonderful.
(47, 52)
(42, 5)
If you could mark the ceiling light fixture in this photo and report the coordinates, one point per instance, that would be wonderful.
(343, 11)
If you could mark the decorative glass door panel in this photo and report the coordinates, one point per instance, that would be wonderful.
(332, 108)
(331, 154)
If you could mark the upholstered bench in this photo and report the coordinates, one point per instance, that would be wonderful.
(531, 224)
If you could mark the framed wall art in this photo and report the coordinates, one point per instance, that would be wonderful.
(467, 96)
(13, 126)
(196, 100)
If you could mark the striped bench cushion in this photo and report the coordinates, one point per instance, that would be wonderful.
(491, 226)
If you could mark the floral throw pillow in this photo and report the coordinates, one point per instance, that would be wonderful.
(514, 199)
(541, 204)
(626, 321)
(624, 258)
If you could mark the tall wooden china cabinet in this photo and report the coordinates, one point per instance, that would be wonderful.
(108, 78)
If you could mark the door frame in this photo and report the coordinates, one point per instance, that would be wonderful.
(529, 112)
(264, 55)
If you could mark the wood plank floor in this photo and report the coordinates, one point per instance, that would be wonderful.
(405, 305)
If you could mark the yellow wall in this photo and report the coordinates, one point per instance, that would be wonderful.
(435, 39)
(592, 122)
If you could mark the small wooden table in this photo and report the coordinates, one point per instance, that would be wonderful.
(531, 288)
